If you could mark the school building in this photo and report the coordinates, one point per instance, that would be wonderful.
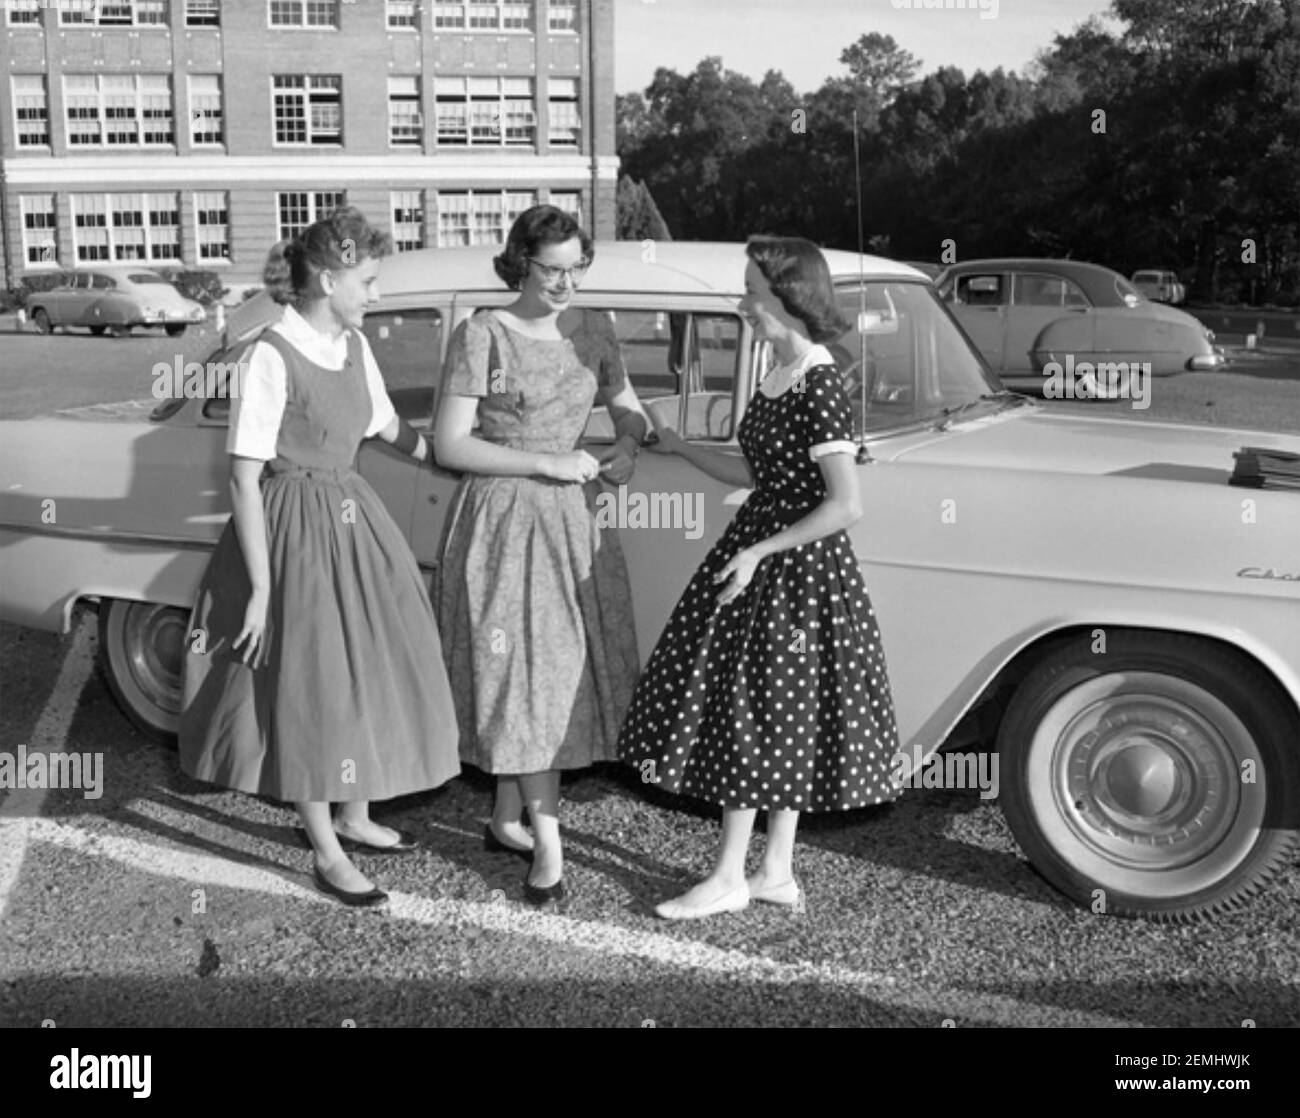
(196, 133)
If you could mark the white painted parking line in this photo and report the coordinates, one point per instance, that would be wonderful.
(21, 806)
(615, 941)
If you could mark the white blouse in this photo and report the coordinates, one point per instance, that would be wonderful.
(258, 407)
(779, 381)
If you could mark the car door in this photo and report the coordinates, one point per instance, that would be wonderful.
(1039, 299)
(979, 300)
(68, 304)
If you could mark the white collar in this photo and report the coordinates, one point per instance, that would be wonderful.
(322, 349)
(785, 375)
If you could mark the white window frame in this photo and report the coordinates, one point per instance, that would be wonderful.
(45, 252)
(106, 96)
(562, 92)
(492, 109)
(206, 201)
(487, 214)
(507, 17)
(571, 26)
(201, 101)
(570, 201)
(401, 202)
(302, 93)
(318, 203)
(24, 13)
(26, 89)
(304, 8)
(403, 11)
(91, 13)
(402, 95)
(118, 236)
(200, 13)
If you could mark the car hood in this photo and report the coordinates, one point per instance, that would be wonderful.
(1040, 439)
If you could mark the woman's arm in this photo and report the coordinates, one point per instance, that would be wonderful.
(402, 436)
(250, 528)
(458, 449)
(840, 508)
(730, 469)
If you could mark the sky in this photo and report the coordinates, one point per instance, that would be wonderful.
(803, 38)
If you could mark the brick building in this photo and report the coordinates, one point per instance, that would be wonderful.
(196, 133)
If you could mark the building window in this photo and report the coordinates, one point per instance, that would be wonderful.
(24, 13)
(202, 13)
(299, 208)
(404, 122)
(562, 15)
(205, 109)
(118, 110)
(304, 13)
(39, 222)
(31, 117)
(570, 201)
(408, 220)
(562, 110)
(212, 217)
(308, 108)
(113, 13)
(479, 217)
(450, 16)
(126, 227)
(402, 14)
(484, 15)
(485, 111)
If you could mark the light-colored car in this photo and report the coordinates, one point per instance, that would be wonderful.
(1023, 314)
(1160, 286)
(113, 299)
(1088, 593)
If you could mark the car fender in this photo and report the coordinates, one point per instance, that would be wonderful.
(111, 310)
(1069, 334)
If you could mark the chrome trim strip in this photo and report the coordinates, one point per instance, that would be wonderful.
(106, 535)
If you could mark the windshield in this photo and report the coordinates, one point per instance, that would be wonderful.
(1130, 294)
(918, 362)
(145, 277)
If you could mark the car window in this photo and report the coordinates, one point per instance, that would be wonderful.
(980, 290)
(916, 359)
(1146, 277)
(408, 348)
(146, 277)
(683, 367)
(1038, 289)
(102, 283)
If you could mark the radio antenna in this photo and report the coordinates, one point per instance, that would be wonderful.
(862, 455)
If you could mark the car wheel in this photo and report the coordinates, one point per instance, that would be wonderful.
(41, 321)
(1158, 778)
(97, 331)
(176, 330)
(142, 650)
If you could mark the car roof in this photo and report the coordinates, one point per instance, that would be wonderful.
(117, 271)
(1097, 280)
(664, 267)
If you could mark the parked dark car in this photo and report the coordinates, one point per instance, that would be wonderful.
(112, 299)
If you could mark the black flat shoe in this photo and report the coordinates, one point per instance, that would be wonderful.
(494, 845)
(540, 894)
(405, 844)
(366, 899)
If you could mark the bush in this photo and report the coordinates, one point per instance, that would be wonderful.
(202, 286)
(16, 297)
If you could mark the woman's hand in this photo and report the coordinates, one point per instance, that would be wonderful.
(668, 442)
(253, 634)
(740, 572)
(617, 464)
(576, 466)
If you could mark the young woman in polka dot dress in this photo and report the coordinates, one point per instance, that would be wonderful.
(768, 687)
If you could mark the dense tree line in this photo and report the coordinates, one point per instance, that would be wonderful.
(1173, 142)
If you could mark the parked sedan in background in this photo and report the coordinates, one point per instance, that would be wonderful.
(112, 299)
(1159, 286)
(1023, 313)
(1083, 591)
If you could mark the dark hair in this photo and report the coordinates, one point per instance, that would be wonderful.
(342, 240)
(535, 227)
(798, 274)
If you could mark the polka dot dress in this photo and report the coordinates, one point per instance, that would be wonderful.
(779, 699)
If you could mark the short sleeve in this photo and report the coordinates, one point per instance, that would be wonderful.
(258, 406)
(382, 411)
(611, 373)
(826, 411)
(469, 357)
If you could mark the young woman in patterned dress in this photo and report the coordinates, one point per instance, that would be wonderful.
(768, 687)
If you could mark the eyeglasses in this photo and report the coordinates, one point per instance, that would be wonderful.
(551, 273)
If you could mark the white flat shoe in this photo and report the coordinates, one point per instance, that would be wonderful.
(787, 893)
(733, 901)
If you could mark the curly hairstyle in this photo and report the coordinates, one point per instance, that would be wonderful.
(798, 274)
(342, 240)
(535, 227)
